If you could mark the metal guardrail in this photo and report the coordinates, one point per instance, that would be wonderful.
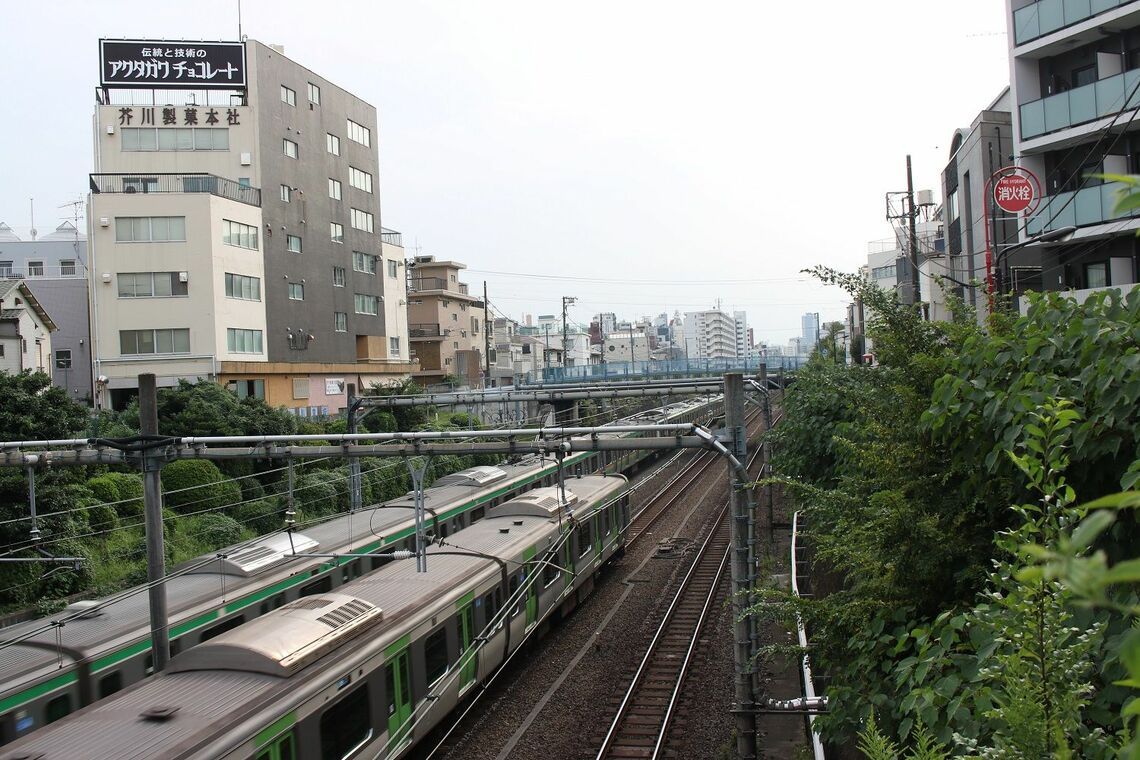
(144, 183)
(391, 237)
(801, 634)
(425, 330)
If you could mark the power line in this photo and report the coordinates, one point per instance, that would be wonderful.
(626, 281)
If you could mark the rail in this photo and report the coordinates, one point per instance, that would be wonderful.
(719, 535)
(801, 634)
(424, 330)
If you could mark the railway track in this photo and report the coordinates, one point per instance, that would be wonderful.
(645, 713)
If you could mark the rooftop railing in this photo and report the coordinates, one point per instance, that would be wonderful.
(175, 183)
(391, 237)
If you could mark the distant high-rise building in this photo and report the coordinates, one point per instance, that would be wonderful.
(809, 333)
(709, 335)
(742, 341)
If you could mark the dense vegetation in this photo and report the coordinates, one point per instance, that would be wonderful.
(97, 512)
(924, 480)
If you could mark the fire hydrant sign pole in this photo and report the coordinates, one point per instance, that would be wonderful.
(1015, 191)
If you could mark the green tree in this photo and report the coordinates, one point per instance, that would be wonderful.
(31, 408)
(197, 485)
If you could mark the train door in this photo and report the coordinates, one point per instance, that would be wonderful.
(398, 690)
(467, 660)
(277, 742)
(531, 591)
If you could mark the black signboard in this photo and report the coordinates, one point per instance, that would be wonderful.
(171, 65)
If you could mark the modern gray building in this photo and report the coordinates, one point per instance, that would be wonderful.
(1075, 98)
(54, 267)
(235, 228)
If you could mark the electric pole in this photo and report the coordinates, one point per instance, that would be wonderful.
(546, 352)
(152, 506)
(566, 301)
(488, 321)
(912, 212)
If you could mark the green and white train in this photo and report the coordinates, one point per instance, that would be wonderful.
(52, 667)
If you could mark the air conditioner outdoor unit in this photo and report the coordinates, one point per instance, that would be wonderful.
(246, 159)
(183, 276)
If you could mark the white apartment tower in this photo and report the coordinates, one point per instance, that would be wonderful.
(709, 335)
(742, 343)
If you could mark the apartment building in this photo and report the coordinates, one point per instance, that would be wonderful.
(25, 330)
(234, 227)
(54, 268)
(445, 322)
(976, 153)
(709, 335)
(743, 342)
(1075, 91)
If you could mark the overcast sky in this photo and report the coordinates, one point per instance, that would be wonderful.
(666, 154)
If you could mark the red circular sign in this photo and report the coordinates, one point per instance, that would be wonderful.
(1013, 193)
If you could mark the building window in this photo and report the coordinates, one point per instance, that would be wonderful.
(164, 341)
(296, 291)
(239, 235)
(332, 143)
(286, 193)
(394, 346)
(243, 287)
(474, 325)
(338, 277)
(240, 341)
(150, 138)
(5, 269)
(1096, 275)
(288, 95)
(150, 229)
(340, 321)
(293, 243)
(290, 148)
(300, 387)
(392, 268)
(151, 284)
(363, 262)
(334, 189)
(314, 94)
(359, 133)
(366, 304)
(361, 180)
(336, 231)
(35, 269)
(63, 358)
(67, 268)
(454, 317)
(360, 220)
(249, 388)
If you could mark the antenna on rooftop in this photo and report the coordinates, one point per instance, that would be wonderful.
(32, 206)
(76, 214)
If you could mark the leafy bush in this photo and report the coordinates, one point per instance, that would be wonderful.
(197, 485)
(262, 516)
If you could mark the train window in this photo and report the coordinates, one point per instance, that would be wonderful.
(110, 683)
(320, 586)
(148, 665)
(585, 537)
(549, 574)
(222, 627)
(443, 529)
(284, 747)
(489, 607)
(264, 608)
(435, 655)
(58, 707)
(477, 513)
(378, 562)
(345, 726)
(175, 646)
(513, 588)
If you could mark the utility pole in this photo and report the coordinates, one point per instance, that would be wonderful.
(488, 322)
(912, 212)
(566, 301)
(354, 496)
(152, 504)
(737, 443)
(546, 352)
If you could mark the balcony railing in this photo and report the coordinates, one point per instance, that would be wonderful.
(1092, 205)
(1080, 105)
(175, 183)
(424, 330)
(391, 237)
(46, 272)
(1047, 16)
